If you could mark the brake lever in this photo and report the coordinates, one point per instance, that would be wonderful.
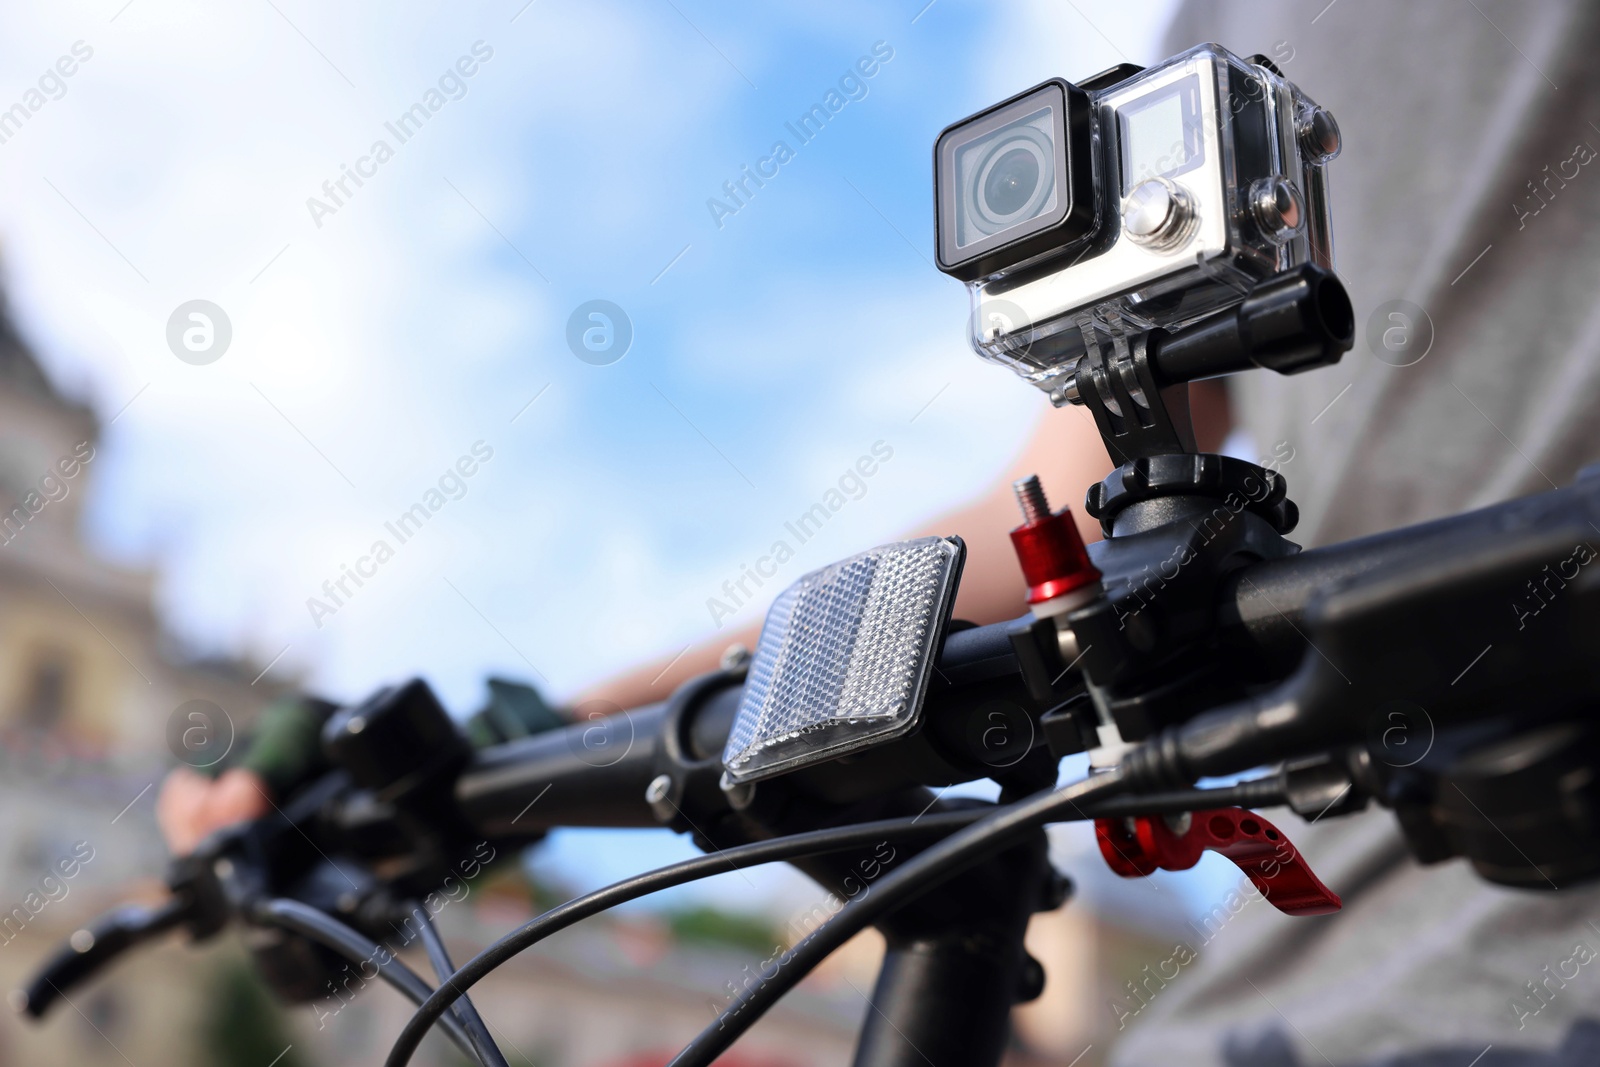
(202, 901)
(1139, 845)
(94, 947)
(196, 901)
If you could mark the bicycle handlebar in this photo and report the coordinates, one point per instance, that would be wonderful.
(555, 779)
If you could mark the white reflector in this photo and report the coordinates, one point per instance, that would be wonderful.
(844, 658)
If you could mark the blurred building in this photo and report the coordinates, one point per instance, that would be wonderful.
(88, 684)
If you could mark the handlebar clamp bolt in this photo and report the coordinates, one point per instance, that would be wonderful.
(1058, 890)
(658, 794)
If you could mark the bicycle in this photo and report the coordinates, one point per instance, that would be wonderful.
(1195, 644)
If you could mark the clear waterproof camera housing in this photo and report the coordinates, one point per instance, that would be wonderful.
(1140, 199)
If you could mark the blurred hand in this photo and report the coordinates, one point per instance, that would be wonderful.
(191, 805)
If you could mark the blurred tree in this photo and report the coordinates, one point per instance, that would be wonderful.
(243, 1025)
(709, 925)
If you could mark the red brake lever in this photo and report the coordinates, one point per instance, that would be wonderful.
(1136, 846)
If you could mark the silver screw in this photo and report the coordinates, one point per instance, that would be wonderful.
(658, 794)
(1070, 391)
(1030, 494)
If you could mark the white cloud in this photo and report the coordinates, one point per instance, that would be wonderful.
(407, 327)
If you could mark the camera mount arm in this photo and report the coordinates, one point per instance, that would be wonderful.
(1134, 384)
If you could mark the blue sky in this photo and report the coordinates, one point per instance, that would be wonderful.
(374, 346)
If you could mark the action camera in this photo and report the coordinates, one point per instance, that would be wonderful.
(1133, 201)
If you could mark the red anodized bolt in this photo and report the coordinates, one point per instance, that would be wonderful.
(1049, 547)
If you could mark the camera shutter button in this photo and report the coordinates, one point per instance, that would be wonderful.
(1319, 135)
(1157, 213)
(1277, 207)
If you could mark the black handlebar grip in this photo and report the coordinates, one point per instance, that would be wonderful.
(91, 949)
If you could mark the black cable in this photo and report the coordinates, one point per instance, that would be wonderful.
(920, 873)
(1267, 791)
(1262, 792)
(489, 1053)
(792, 846)
(352, 945)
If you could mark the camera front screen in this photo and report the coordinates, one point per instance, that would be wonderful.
(1160, 133)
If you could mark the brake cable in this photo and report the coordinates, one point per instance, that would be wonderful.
(973, 834)
(921, 873)
(489, 1053)
(348, 942)
(791, 846)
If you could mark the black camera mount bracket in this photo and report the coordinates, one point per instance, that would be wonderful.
(1135, 384)
(1176, 520)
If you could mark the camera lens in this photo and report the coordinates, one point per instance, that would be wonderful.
(1010, 178)
(1011, 182)
(1016, 182)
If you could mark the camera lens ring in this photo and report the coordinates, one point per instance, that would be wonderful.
(980, 213)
